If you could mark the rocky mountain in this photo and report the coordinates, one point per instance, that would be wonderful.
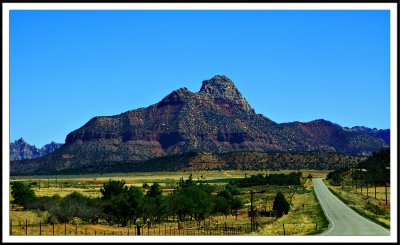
(20, 150)
(377, 133)
(341, 139)
(216, 119)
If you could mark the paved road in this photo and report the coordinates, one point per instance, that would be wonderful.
(343, 220)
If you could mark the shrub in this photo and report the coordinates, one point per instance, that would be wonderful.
(23, 194)
(281, 205)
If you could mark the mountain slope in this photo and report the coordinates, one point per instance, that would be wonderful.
(216, 119)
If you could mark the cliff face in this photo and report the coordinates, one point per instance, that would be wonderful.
(216, 119)
(20, 150)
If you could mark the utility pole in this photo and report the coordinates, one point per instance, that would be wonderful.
(251, 212)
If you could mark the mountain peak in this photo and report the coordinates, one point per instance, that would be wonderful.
(176, 97)
(218, 85)
(20, 140)
(221, 87)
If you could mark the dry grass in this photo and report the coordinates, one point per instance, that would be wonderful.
(303, 218)
(375, 209)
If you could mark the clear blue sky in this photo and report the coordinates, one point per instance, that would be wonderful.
(69, 66)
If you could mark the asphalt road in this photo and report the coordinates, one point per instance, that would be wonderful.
(343, 221)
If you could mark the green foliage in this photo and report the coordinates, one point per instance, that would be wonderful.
(226, 202)
(271, 179)
(154, 207)
(221, 205)
(75, 205)
(121, 204)
(236, 204)
(113, 188)
(281, 205)
(377, 168)
(23, 194)
(336, 176)
(191, 198)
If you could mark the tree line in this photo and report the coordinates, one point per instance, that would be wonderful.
(271, 179)
(374, 170)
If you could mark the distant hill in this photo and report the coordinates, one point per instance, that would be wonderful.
(20, 150)
(216, 119)
(197, 161)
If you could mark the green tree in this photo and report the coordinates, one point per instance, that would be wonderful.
(377, 168)
(154, 207)
(191, 198)
(281, 205)
(236, 204)
(120, 203)
(22, 194)
(221, 206)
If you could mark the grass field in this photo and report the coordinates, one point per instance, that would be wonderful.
(305, 216)
(301, 219)
(89, 185)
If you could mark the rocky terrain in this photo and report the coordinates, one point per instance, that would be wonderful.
(20, 150)
(216, 119)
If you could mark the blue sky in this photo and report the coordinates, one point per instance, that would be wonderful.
(69, 66)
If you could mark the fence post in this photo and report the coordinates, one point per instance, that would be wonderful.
(165, 229)
(85, 231)
(53, 229)
(95, 232)
(40, 228)
(10, 226)
(283, 229)
(65, 228)
(138, 230)
(386, 192)
(76, 230)
(26, 226)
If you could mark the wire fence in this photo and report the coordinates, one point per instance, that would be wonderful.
(66, 229)
(171, 229)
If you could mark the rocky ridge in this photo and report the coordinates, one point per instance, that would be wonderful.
(20, 150)
(216, 119)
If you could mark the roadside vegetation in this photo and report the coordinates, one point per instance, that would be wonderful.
(365, 187)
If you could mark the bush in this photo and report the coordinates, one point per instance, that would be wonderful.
(281, 205)
(23, 194)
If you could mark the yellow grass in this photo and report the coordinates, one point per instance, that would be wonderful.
(300, 220)
(363, 203)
